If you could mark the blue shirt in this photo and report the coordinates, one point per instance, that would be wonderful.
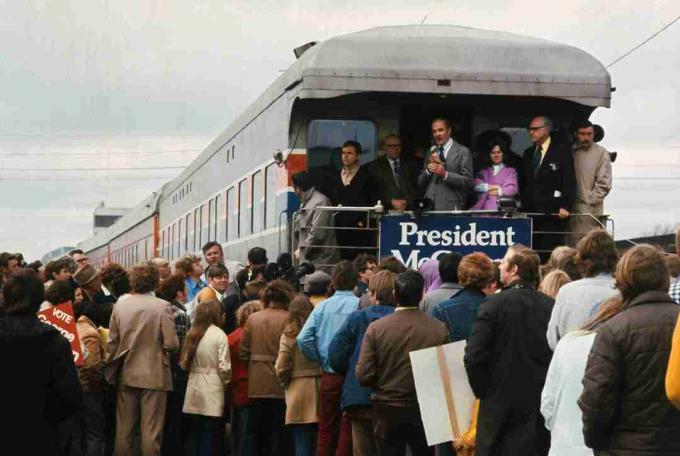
(193, 287)
(322, 325)
(459, 313)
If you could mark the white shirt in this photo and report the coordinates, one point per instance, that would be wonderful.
(447, 148)
(563, 387)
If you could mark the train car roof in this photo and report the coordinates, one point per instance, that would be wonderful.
(450, 59)
(130, 219)
(445, 59)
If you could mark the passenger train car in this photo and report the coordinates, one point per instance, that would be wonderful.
(359, 86)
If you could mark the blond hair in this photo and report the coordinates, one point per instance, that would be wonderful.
(553, 281)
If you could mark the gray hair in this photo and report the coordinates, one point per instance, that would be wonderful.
(547, 122)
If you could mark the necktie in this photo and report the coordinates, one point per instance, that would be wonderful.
(440, 151)
(537, 159)
(397, 169)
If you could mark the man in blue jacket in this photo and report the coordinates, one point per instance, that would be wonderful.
(344, 354)
(314, 339)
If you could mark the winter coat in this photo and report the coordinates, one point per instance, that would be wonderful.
(343, 353)
(309, 230)
(40, 384)
(209, 375)
(260, 348)
(91, 373)
(302, 380)
(506, 359)
(624, 404)
(238, 388)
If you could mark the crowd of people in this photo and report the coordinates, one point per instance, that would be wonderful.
(561, 182)
(580, 355)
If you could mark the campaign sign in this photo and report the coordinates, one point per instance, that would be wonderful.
(62, 318)
(414, 241)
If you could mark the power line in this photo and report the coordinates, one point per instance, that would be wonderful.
(139, 168)
(91, 154)
(644, 42)
(81, 178)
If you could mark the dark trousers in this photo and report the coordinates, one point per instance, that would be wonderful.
(243, 435)
(91, 414)
(335, 430)
(177, 424)
(206, 434)
(304, 436)
(548, 232)
(266, 422)
(502, 431)
(398, 427)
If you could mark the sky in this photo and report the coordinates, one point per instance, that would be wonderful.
(118, 84)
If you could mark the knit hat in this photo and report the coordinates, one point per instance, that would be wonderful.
(85, 274)
(316, 283)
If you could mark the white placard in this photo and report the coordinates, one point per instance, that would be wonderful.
(431, 391)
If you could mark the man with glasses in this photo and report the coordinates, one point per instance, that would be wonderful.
(395, 176)
(79, 257)
(549, 186)
(365, 265)
(448, 173)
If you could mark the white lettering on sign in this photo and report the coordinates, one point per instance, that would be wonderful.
(61, 315)
(411, 235)
(67, 334)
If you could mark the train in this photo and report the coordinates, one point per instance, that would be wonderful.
(359, 86)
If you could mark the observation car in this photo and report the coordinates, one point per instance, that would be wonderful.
(359, 86)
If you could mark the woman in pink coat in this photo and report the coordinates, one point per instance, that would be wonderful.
(498, 180)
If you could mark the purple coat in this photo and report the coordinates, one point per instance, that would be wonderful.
(506, 179)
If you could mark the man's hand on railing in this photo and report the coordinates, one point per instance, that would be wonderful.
(563, 213)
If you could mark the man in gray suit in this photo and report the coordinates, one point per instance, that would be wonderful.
(141, 336)
(448, 172)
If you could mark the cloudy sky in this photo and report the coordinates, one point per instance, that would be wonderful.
(93, 83)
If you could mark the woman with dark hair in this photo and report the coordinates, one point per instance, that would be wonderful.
(624, 403)
(260, 348)
(206, 356)
(301, 378)
(496, 180)
(40, 382)
(116, 279)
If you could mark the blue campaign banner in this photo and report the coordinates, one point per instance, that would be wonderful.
(414, 241)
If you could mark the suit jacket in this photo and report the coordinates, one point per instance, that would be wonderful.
(361, 191)
(452, 192)
(307, 231)
(554, 185)
(389, 187)
(143, 331)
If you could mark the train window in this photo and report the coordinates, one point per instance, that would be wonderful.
(325, 138)
(172, 241)
(162, 242)
(243, 228)
(179, 238)
(187, 227)
(257, 203)
(270, 196)
(221, 217)
(232, 228)
(215, 218)
(211, 219)
(205, 225)
(146, 249)
(233, 152)
(197, 230)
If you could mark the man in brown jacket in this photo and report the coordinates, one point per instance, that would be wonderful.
(141, 335)
(384, 364)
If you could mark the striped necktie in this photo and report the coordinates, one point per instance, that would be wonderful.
(440, 151)
(537, 159)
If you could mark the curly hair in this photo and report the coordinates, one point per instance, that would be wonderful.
(143, 278)
(298, 312)
(185, 265)
(116, 279)
(475, 271)
(246, 310)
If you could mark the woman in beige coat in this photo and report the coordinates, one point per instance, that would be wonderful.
(206, 357)
(301, 378)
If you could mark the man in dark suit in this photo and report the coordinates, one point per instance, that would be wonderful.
(549, 185)
(448, 173)
(395, 177)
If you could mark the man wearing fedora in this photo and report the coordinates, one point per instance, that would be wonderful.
(141, 337)
(90, 281)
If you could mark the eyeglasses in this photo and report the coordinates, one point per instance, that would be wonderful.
(392, 145)
(535, 128)
(81, 260)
